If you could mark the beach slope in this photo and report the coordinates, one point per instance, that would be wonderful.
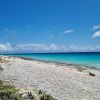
(61, 81)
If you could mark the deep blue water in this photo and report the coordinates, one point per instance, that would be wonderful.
(85, 59)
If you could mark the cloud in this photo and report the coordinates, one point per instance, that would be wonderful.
(32, 47)
(87, 48)
(96, 34)
(96, 27)
(6, 47)
(54, 47)
(35, 47)
(39, 47)
(68, 31)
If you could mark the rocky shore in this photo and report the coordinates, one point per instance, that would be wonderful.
(64, 82)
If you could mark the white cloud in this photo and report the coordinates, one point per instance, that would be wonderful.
(96, 34)
(96, 27)
(32, 47)
(68, 31)
(6, 47)
(35, 47)
(53, 47)
(73, 47)
(87, 48)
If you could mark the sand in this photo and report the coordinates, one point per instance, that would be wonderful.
(64, 82)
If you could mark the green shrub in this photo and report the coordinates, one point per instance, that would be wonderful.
(45, 96)
(8, 92)
(3, 60)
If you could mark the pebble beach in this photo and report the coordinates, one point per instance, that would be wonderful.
(64, 82)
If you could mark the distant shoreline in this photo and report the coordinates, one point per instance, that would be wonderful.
(49, 53)
(60, 63)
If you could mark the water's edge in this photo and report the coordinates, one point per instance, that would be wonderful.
(77, 66)
(85, 69)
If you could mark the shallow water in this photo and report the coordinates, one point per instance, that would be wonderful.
(84, 59)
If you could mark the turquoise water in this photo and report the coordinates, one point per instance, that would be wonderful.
(85, 59)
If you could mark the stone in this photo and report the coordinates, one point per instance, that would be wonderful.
(91, 74)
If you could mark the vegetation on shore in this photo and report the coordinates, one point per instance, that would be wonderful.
(3, 60)
(8, 92)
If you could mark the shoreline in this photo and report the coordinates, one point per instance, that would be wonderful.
(60, 63)
(79, 68)
(60, 80)
(65, 63)
(85, 69)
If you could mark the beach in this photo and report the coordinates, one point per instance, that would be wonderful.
(64, 82)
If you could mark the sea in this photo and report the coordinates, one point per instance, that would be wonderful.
(88, 59)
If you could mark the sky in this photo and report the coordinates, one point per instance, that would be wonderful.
(49, 26)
